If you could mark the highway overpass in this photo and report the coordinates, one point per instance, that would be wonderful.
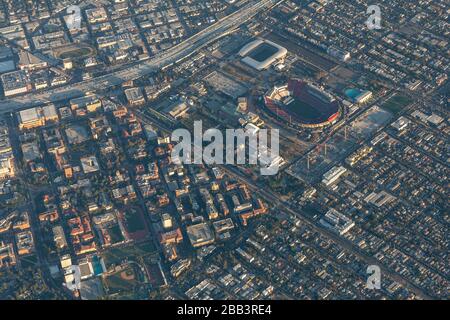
(154, 64)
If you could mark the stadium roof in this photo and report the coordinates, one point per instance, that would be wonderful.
(260, 54)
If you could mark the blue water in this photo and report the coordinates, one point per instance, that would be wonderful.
(97, 266)
(352, 93)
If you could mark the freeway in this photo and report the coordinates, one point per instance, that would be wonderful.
(164, 59)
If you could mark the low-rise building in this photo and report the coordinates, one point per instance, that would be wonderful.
(90, 102)
(31, 118)
(7, 255)
(15, 82)
(7, 166)
(200, 234)
(24, 241)
(337, 222)
(134, 96)
(333, 175)
(27, 61)
(59, 237)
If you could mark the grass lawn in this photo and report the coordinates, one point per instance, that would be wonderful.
(124, 280)
(396, 103)
(76, 53)
(303, 110)
(117, 254)
(133, 220)
(115, 233)
(29, 261)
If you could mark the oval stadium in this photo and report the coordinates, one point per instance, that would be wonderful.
(302, 104)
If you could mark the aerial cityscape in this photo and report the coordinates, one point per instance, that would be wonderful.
(224, 150)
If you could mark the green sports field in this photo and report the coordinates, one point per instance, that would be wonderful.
(303, 110)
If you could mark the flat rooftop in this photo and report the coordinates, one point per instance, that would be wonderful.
(200, 234)
(261, 54)
(29, 115)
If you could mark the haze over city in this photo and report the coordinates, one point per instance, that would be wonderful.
(251, 150)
